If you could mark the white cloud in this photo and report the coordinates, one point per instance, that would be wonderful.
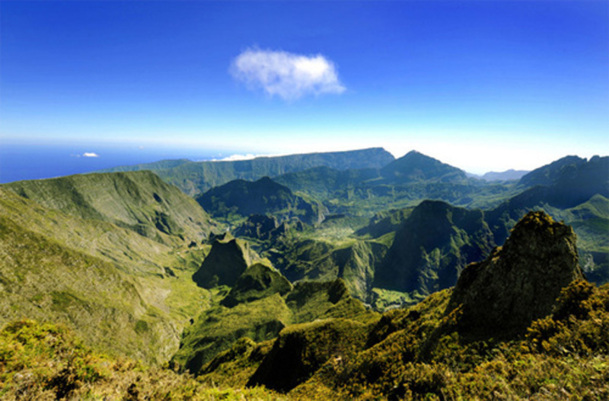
(286, 75)
(90, 154)
(233, 158)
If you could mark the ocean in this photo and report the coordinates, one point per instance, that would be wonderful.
(31, 162)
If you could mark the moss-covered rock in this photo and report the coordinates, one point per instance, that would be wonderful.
(520, 282)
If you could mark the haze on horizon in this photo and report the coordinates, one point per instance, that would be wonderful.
(483, 86)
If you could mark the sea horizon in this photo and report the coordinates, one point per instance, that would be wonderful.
(20, 162)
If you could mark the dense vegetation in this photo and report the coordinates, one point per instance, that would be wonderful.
(91, 251)
(238, 199)
(47, 362)
(562, 356)
(344, 275)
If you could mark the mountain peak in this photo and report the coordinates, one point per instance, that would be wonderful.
(415, 166)
(520, 282)
(433, 228)
(548, 174)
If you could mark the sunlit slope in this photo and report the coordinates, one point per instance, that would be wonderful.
(122, 291)
(139, 201)
(523, 317)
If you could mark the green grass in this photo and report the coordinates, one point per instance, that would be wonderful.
(139, 201)
(47, 362)
(97, 277)
(564, 355)
(217, 328)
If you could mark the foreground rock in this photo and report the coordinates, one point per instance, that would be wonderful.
(519, 282)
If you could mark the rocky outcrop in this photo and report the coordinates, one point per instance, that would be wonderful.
(226, 261)
(518, 283)
(257, 282)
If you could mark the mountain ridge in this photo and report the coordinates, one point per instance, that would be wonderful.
(262, 197)
(197, 177)
(137, 200)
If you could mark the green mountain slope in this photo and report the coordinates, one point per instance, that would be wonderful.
(257, 282)
(590, 220)
(549, 174)
(111, 289)
(553, 343)
(227, 259)
(570, 181)
(432, 246)
(240, 198)
(354, 261)
(576, 192)
(127, 293)
(507, 175)
(44, 280)
(198, 177)
(325, 182)
(385, 222)
(402, 183)
(139, 201)
(415, 166)
(44, 361)
(262, 318)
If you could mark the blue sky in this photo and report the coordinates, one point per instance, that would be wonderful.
(482, 85)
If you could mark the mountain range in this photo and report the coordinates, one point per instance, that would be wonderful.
(197, 177)
(331, 275)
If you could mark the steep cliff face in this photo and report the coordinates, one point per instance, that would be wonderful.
(198, 177)
(520, 282)
(432, 246)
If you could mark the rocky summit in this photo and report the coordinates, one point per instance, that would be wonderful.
(519, 282)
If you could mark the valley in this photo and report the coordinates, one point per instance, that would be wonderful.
(336, 275)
